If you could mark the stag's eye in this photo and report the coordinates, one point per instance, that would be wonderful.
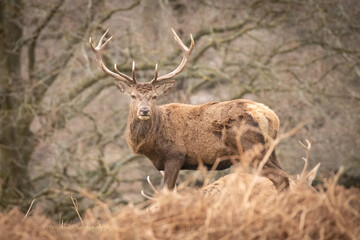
(133, 96)
(154, 97)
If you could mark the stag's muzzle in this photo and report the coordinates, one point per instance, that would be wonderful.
(144, 113)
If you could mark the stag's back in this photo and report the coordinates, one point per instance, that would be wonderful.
(209, 131)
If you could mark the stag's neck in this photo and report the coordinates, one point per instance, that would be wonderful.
(141, 134)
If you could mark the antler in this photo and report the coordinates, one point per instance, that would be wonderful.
(307, 147)
(186, 53)
(118, 75)
(152, 187)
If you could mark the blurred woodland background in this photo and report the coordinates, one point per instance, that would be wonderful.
(62, 120)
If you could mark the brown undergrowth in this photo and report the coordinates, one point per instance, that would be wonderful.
(240, 211)
(241, 205)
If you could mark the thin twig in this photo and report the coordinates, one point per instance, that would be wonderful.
(28, 211)
(76, 208)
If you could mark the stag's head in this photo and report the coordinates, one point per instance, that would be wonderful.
(143, 94)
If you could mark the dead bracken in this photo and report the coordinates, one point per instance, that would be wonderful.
(333, 213)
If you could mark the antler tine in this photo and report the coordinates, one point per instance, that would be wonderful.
(151, 186)
(307, 147)
(186, 53)
(155, 73)
(133, 71)
(98, 53)
(145, 195)
(124, 75)
(182, 45)
(100, 41)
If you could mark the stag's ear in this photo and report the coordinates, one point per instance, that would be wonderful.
(122, 86)
(164, 88)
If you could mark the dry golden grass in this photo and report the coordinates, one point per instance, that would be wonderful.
(239, 211)
(241, 205)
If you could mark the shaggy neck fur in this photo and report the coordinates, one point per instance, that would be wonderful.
(140, 134)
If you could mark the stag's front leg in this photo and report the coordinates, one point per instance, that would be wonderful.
(171, 170)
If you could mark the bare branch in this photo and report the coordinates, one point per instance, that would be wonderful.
(120, 9)
(36, 34)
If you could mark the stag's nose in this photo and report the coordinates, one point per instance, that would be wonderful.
(144, 111)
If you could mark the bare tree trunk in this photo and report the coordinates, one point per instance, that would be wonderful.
(15, 137)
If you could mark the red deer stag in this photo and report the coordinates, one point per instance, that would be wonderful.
(178, 136)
